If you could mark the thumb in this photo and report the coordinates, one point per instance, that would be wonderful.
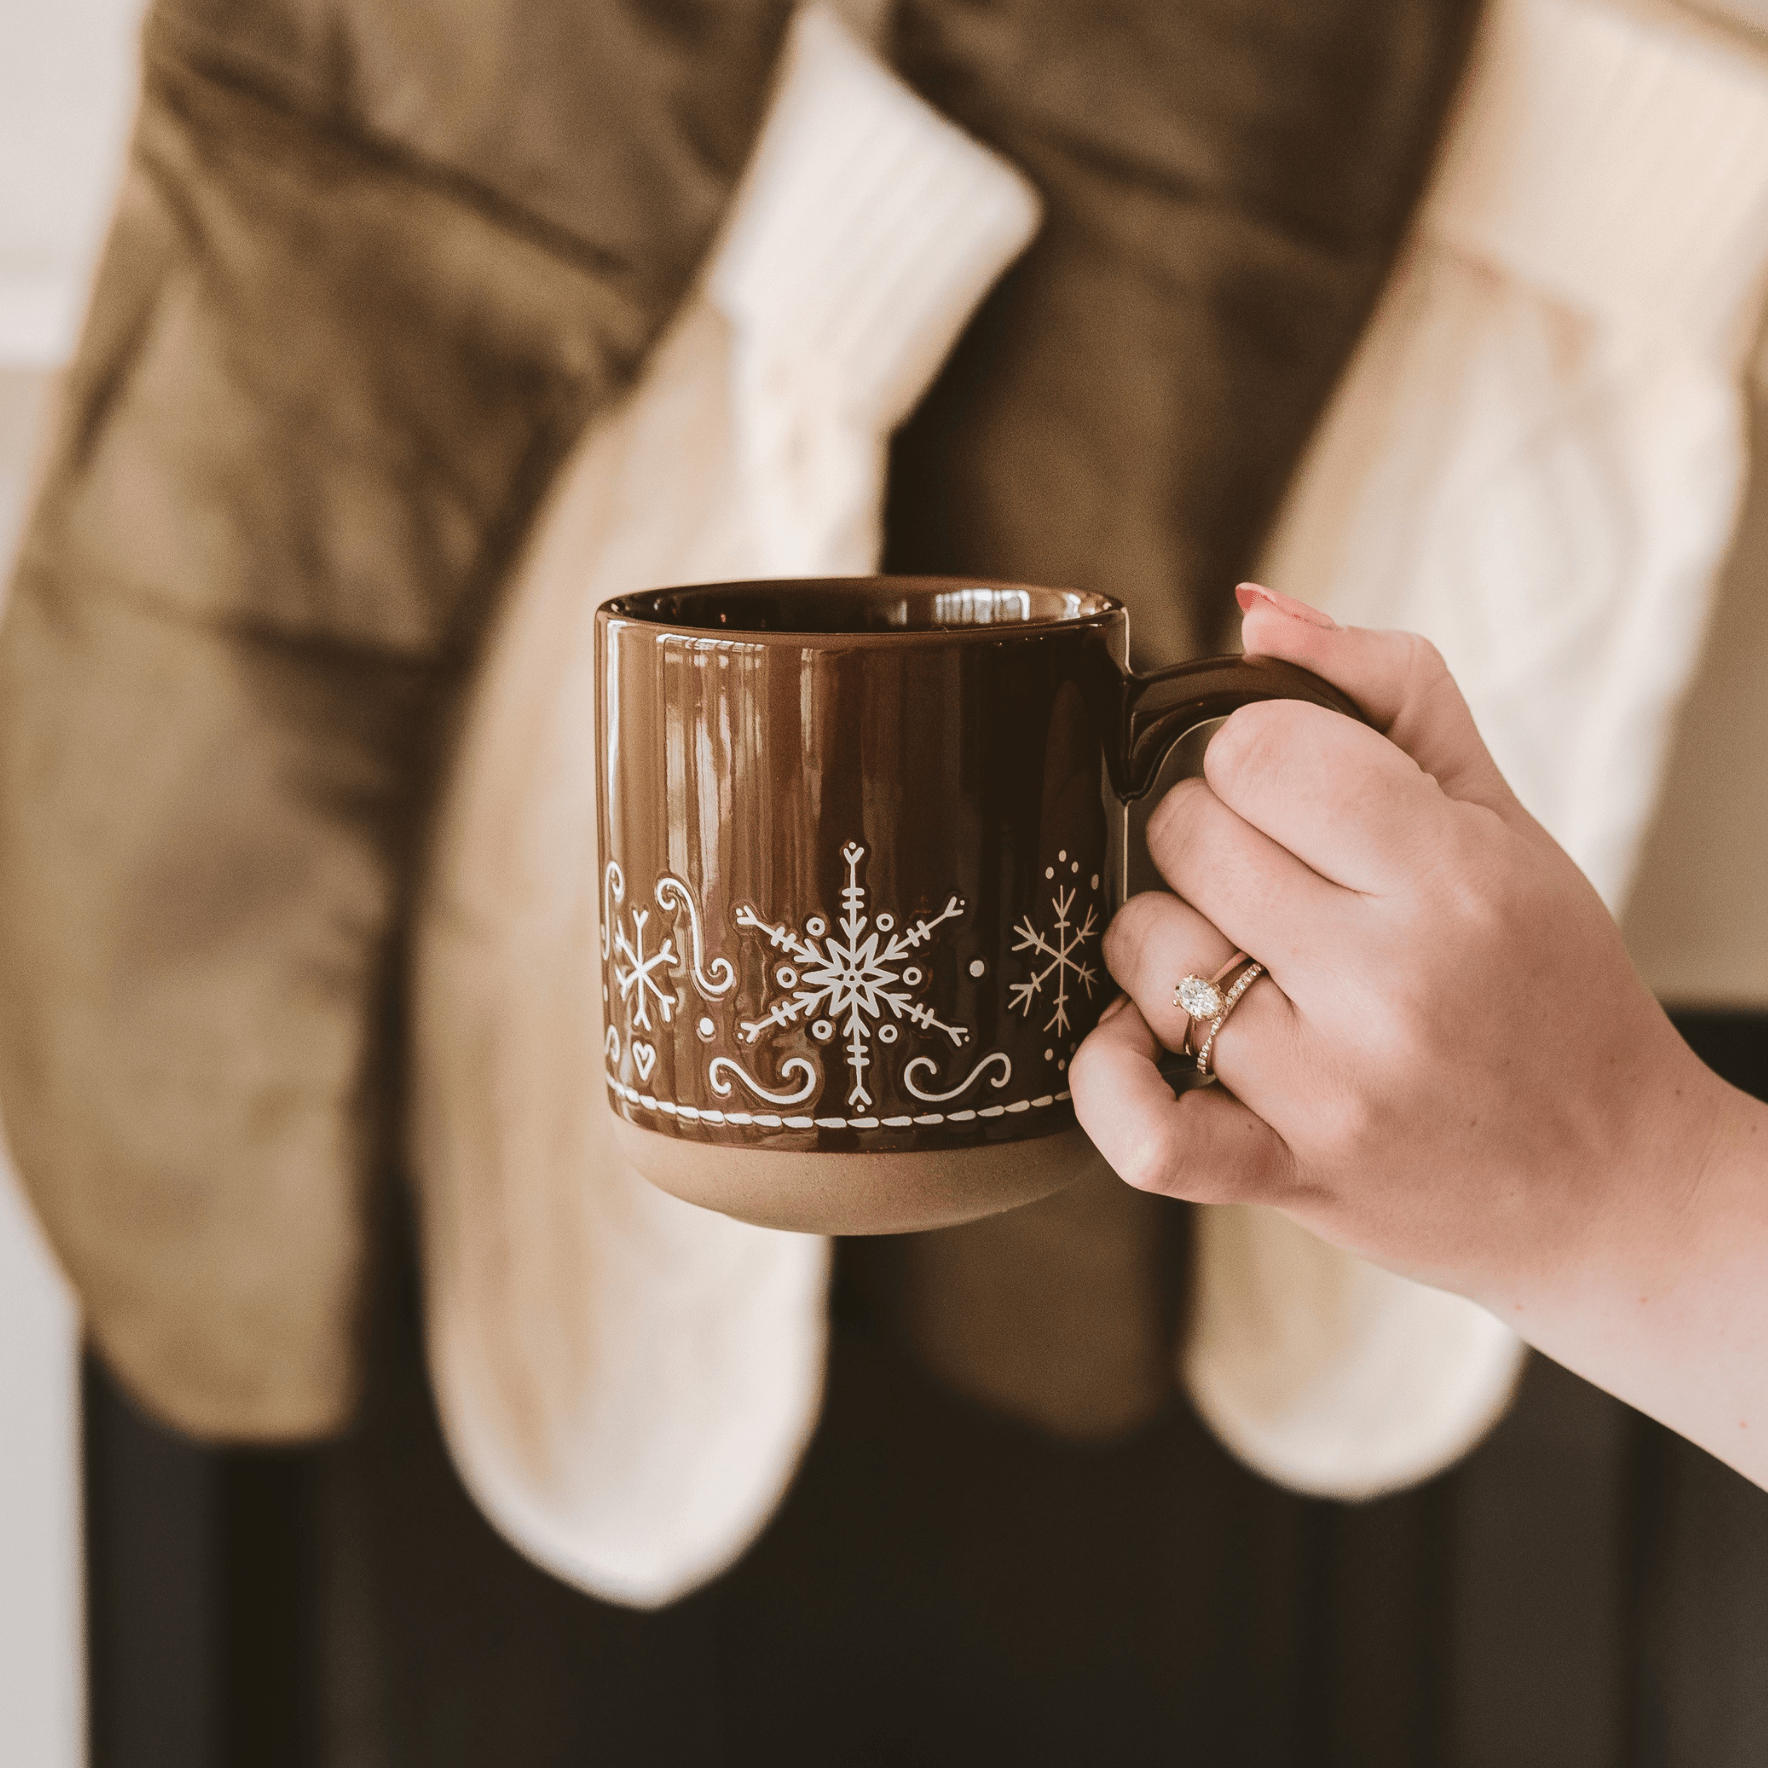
(1399, 680)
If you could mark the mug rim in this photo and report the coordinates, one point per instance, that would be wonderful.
(1058, 610)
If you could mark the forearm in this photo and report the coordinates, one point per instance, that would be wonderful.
(1667, 1307)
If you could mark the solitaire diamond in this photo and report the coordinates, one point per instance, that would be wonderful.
(1202, 1000)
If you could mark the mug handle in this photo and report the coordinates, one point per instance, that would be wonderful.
(1159, 709)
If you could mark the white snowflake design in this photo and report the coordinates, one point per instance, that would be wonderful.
(637, 978)
(849, 983)
(1062, 947)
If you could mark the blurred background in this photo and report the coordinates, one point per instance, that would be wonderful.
(1583, 1589)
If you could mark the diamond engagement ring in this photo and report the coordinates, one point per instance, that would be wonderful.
(1242, 983)
(1204, 999)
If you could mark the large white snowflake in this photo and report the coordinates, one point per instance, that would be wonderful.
(851, 981)
(1062, 947)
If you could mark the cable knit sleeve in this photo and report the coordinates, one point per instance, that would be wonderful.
(1552, 395)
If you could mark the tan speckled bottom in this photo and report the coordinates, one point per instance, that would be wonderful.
(885, 1193)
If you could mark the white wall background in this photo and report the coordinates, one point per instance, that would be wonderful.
(67, 81)
(42, 1695)
(67, 87)
(42, 1692)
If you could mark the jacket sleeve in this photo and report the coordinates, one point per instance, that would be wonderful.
(373, 269)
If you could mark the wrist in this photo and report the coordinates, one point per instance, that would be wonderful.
(1658, 1297)
(1624, 1213)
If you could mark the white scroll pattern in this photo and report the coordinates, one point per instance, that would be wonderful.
(792, 1064)
(963, 1086)
(714, 980)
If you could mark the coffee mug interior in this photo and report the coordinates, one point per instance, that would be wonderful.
(859, 605)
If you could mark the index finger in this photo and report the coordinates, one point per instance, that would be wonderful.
(1400, 681)
(1345, 801)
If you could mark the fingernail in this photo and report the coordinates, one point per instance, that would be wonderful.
(1246, 594)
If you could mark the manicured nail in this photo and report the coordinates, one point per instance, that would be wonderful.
(1247, 593)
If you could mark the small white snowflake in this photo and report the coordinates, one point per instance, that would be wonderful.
(638, 978)
(1062, 946)
(848, 983)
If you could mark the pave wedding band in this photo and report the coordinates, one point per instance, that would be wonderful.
(1203, 998)
(1242, 983)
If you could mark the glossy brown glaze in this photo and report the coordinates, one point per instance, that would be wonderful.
(859, 842)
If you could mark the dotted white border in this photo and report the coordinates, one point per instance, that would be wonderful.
(772, 1120)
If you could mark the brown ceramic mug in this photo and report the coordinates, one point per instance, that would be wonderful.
(860, 839)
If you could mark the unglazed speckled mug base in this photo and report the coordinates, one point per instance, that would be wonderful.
(862, 1193)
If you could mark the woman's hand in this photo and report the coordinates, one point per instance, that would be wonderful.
(1452, 1068)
